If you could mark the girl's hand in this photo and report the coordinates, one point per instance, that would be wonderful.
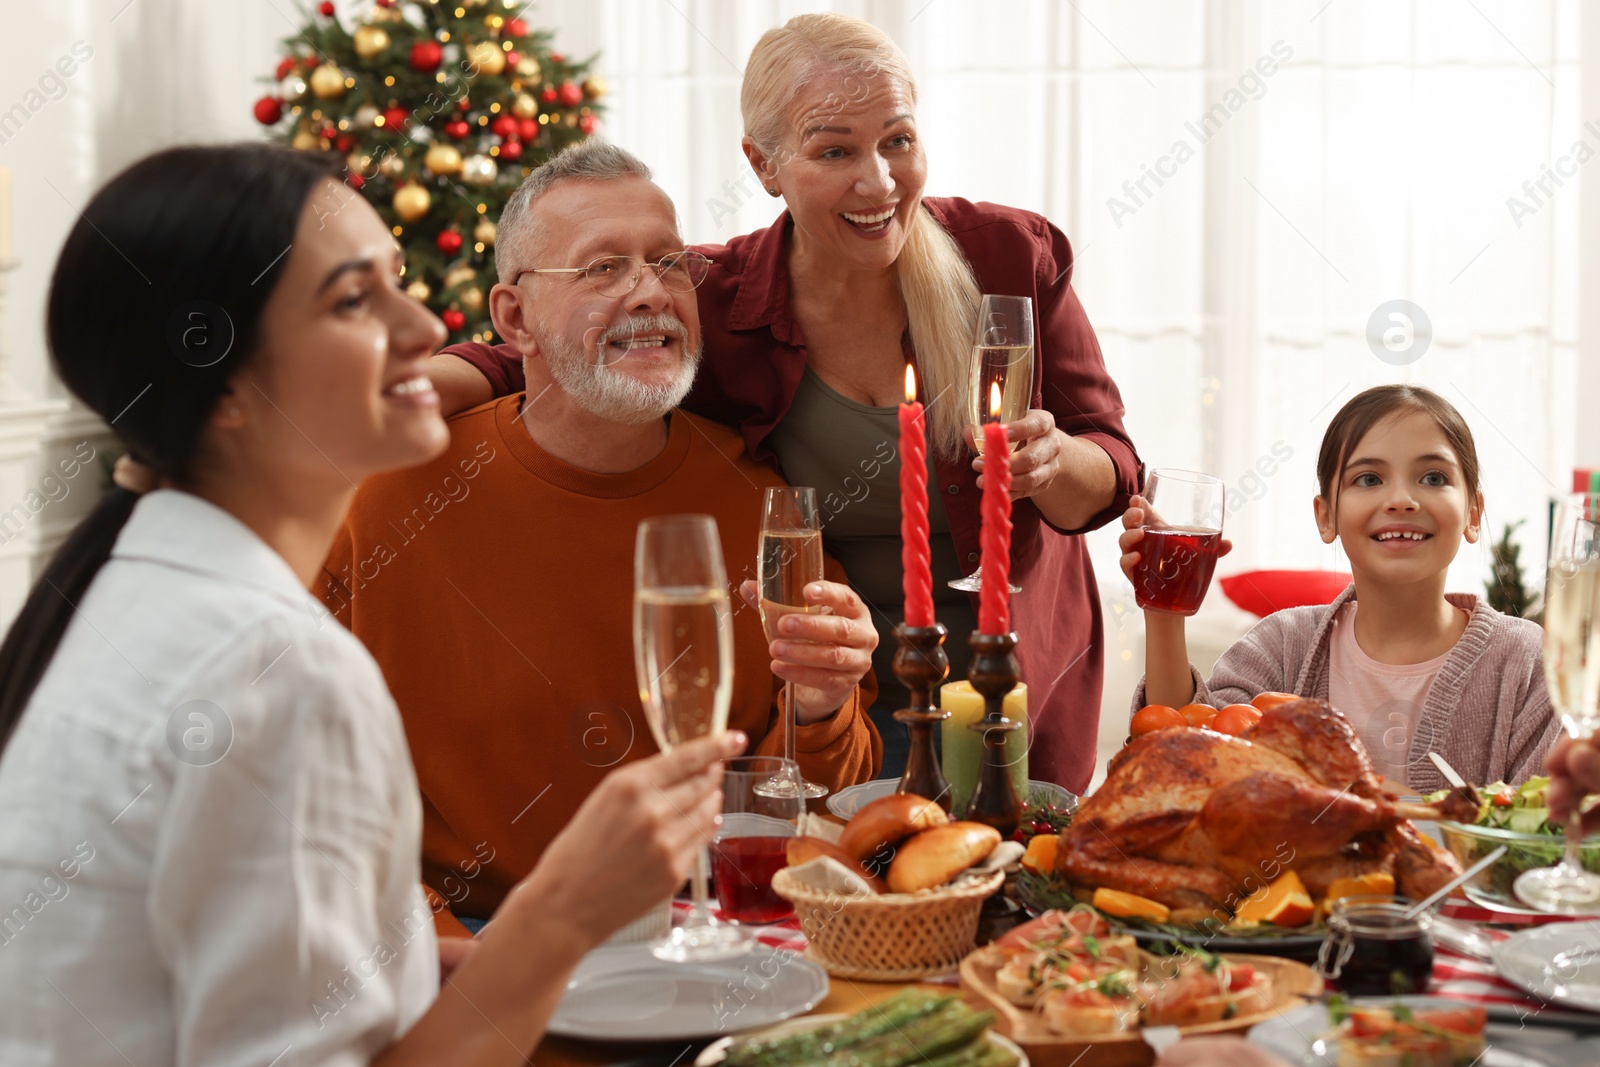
(1037, 460)
(1133, 521)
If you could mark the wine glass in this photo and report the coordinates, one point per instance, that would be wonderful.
(753, 842)
(1572, 671)
(1002, 369)
(683, 656)
(790, 558)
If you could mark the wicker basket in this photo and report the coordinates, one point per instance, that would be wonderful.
(895, 937)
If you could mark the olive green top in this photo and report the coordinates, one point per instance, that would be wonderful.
(849, 453)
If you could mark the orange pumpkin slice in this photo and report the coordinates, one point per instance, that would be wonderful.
(1129, 905)
(1283, 903)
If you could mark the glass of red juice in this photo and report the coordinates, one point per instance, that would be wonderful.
(753, 841)
(1182, 534)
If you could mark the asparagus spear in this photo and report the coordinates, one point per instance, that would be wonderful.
(942, 1032)
(898, 1011)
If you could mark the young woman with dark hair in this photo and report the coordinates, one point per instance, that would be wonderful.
(211, 845)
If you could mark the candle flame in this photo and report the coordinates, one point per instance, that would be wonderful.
(911, 382)
(994, 400)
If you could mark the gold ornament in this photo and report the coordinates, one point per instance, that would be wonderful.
(292, 88)
(594, 87)
(327, 81)
(419, 291)
(385, 14)
(412, 202)
(484, 231)
(487, 57)
(393, 166)
(459, 276)
(472, 299)
(306, 141)
(479, 170)
(524, 106)
(370, 41)
(529, 69)
(442, 159)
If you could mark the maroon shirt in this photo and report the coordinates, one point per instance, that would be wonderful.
(754, 359)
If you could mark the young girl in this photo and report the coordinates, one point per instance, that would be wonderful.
(1413, 668)
(210, 850)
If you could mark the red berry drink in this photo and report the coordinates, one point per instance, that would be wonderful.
(1174, 569)
(743, 868)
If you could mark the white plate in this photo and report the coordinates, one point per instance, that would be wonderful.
(846, 802)
(1298, 1035)
(717, 1051)
(626, 994)
(1559, 962)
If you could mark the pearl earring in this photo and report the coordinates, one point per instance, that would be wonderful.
(772, 191)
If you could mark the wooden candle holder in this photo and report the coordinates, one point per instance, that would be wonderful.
(994, 673)
(921, 663)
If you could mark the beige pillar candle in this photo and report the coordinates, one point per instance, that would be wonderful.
(963, 748)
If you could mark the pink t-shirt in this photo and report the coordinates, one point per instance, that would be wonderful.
(1383, 701)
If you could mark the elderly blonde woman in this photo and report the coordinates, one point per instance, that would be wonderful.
(810, 322)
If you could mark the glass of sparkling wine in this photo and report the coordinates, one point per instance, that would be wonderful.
(683, 656)
(790, 558)
(1002, 370)
(1572, 671)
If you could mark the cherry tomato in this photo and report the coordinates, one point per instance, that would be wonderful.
(1153, 717)
(1235, 719)
(1198, 714)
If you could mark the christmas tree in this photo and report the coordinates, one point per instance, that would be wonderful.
(440, 110)
(1508, 589)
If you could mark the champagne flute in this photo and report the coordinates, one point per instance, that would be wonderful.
(1572, 671)
(1002, 368)
(790, 558)
(683, 656)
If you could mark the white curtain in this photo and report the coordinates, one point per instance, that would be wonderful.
(1245, 184)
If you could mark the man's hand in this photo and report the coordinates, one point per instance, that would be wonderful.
(1574, 768)
(824, 652)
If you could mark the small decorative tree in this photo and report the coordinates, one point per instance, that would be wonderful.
(1508, 588)
(440, 108)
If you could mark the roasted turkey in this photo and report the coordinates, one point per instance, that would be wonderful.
(1201, 820)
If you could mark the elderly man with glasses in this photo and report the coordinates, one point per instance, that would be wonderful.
(494, 585)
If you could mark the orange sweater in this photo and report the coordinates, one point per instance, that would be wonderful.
(494, 586)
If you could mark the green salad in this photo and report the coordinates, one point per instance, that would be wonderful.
(1517, 809)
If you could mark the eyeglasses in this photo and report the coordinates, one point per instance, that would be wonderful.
(618, 275)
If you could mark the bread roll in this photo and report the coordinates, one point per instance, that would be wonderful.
(805, 849)
(935, 856)
(888, 821)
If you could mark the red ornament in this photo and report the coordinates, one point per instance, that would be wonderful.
(449, 241)
(505, 126)
(457, 130)
(355, 181)
(344, 142)
(589, 124)
(516, 28)
(464, 105)
(285, 65)
(326, 8)
(548, 95)
(328, 133)
(511, 150)
(527, 129)
(557, 57)
(385, 3)
(453, 319)
(512, 59)
(269, 109)
(570, 95)
(395, 119)
(426, 56)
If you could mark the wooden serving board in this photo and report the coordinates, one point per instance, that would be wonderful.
(1046, 1048)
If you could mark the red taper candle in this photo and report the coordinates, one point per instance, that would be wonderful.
(916, 559)
(994, 600)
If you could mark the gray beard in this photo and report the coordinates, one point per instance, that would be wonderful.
(592, 383)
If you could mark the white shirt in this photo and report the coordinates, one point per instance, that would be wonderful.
(210, 829)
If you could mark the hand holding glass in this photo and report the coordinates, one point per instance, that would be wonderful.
(1178, 552)
(790, 559)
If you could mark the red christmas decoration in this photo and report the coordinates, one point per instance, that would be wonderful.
(385, 3)
(453, 319)
(548, 95)
(395, 119)
(516, 28)
(285, 65)
(527, 129)
(464, 105)
(344, 142)
(457, 130)
(426, 56)
(589, 124)
(449, 241)
(505, 126)
(328, 133)
(570, 95)
(512, 59)
(511, 150)
(355, 181)
(557, 57)
(325, 9)
(269, 109)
